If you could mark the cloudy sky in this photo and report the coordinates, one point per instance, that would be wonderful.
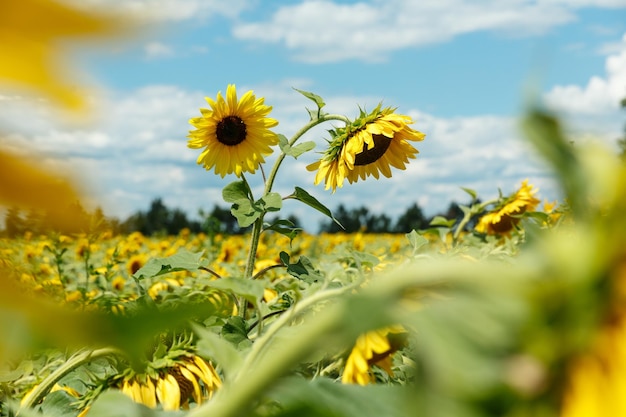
(463, 70)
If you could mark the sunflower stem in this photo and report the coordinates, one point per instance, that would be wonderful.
(269, 183)
(79, 358)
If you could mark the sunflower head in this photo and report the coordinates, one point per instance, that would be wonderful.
(369, 146)
(503, 219)
(187, 378)
(373, 348)
(233, 134)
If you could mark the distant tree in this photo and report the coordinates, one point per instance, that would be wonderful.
(357, 219)
(412, 219)
(221, 221)
(378, 223)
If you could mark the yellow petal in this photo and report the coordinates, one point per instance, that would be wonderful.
(27, 186)
(30, 31)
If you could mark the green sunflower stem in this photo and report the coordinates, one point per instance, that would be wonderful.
(78, 359)
(257, 226)
(323, 118)
(468, 216)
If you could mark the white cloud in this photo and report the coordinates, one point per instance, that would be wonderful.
(325, 31)
(594, 108)
(154, 50)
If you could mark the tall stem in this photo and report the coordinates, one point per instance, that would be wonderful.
(74, 362)
(269, 183)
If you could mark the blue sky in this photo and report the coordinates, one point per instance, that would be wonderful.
(462, 69)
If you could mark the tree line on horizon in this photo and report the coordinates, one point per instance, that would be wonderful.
(159, 219)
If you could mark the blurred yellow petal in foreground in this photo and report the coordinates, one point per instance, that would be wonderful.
(25, 185)
(30, 31)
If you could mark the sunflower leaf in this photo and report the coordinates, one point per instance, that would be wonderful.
(284, 227)
(235, 191)
(245, 212)
(471, 192)
(301, 148)
(301, 195)
(183, 260)
(270, 202)
(212, 345)
(246, 288)
(314, 97)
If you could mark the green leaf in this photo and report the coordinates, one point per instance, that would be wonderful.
(442, 221)
(301, 148)
(471, 192)
(235, 191)
(285, 228)
(213, 346)
(314, 97)
(416, 240)
(236, 331)
(247, 288)
(115, 404)
(183, 260)
(58, 404)
(303, 269)
(303, 196)
(271, 202)
(245, 212)
(545, 133)
(323, 397)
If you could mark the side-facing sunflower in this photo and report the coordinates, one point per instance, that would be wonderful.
(373, 348)
(234, 133)
(370, 145)
(189, 378)
(505, 216)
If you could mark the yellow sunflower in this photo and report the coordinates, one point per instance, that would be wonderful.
(191, 378)
(369, 146)
(505, 216)
(234, 133)
(372, 348)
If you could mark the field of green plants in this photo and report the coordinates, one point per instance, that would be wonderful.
(515, 309)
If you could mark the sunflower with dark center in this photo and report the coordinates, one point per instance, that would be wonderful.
(507, 214)
(234, 134)
(369, 146)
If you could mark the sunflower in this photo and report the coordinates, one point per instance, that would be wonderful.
(506, 215)
(234, 133)
(190, 378)
(369, 146)
(372, 348)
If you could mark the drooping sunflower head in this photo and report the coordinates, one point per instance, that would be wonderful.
(369, 146)
(189, 378)
(373, 348)
(233, 134)
(506, 215)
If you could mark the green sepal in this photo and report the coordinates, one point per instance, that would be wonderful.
(303, 196)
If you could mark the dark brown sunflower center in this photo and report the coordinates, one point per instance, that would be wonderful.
(231, 130)
(373, 154)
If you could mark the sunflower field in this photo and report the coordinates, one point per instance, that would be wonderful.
(515, 309)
